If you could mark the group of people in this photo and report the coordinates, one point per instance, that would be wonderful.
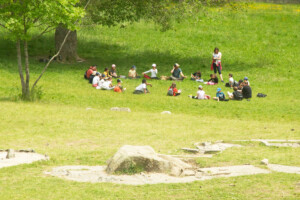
(103, 80)
(241, 90)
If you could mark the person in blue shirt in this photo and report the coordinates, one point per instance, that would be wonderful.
(177, 73)
(220, 96)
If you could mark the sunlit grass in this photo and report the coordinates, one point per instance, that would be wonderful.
(260, 42)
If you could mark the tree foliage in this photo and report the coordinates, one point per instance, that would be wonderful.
(21, 17)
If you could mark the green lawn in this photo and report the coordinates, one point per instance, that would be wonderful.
(261, 42)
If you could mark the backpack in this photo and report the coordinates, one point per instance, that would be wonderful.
(170, 92)
(261, 95)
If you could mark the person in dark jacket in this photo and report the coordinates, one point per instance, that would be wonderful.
(247, 91)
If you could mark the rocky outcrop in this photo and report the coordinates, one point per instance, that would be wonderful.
(146, 159)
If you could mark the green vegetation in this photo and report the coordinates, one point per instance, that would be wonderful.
(261, 42)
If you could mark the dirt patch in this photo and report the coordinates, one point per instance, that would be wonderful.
(97, 174)
(20, 158)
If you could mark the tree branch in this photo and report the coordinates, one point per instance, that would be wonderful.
(58, 52)
(42, 33)
(5, 27)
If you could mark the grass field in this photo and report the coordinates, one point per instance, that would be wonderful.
(261, 42)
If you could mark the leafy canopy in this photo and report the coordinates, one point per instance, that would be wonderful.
(20, 17)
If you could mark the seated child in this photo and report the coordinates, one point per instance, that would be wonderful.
(153, 72)
(106, 73)
(100, 82)
(196, 76)
(119, 88)
(142, 88)
(200, 94)
(247, 91)
(231, 82)
(213, 80)
(113, 71)
(236, 95)
(96, 79)
(132, 73)
(246, 81)
(107, 85)
(172, 91)
(220, 96)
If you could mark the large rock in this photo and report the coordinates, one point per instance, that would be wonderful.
(145, 159)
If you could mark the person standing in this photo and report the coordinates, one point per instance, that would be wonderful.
(216, 63)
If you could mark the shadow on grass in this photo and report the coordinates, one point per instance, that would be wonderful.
(103, 55)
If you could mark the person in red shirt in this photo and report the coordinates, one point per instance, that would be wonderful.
(90, 71)
(172, 91)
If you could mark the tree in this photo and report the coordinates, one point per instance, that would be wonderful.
(113, 12)
(23, 18)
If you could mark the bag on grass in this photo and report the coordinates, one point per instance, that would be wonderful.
(170, 92)
(261, 95)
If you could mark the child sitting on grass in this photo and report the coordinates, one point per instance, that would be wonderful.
(236, 95)
(106, 73)
(213, 80)
(132, 73)
(196, 76)
(100, 82)
(220, 96)
(107, 85)
(172, 91)
(142, 88)
(96, 79)
(153, 72)
(119, 88)
(200, 94)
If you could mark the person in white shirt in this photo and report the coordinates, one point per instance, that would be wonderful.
(200, 94)
(153, 72)
(96, 79)
(142, 88)
(216, 65)
(107, 85)
(100, 82)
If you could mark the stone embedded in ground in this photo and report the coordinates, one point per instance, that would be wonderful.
(145, 158)
(120, 109)
(284, 168)
(20, 158)
(96, 174)
(166, 112)
(208, 148)
(191, 150)
(265, 161)
(228, 171)
(10, 154)
(278, 143)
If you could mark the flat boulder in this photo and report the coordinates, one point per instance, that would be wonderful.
(134, 159)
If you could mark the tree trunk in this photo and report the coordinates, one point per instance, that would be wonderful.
(27, 70)
(69, 50)
(19, 58)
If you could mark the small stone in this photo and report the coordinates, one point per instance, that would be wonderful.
(264, 161)
(120, 109)
(166, 112)
(10, 154)
(88, 108)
